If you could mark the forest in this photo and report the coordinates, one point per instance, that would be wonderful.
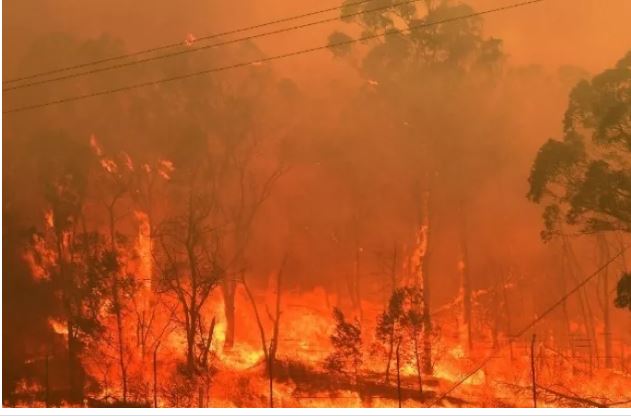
(385, 207)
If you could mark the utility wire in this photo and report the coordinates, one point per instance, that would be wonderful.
(205, 47)
(267, 59)
(532, 323)
(180, 43)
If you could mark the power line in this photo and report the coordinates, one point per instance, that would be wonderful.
(267, 59)
(205, 47)
(532, 323)
(180, 43)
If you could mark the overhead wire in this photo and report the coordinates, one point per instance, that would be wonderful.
(180, 43)
(530, 325)
(190, 50)
(268, 59)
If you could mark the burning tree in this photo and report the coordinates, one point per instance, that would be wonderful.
(408, 69)
(401, 324)
(68, 255)
(189, 255)
(346, 358)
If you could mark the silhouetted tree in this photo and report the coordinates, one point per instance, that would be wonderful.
(402, 324)
(584, 180)
(623, 292)
(346, 358)
(409, 70)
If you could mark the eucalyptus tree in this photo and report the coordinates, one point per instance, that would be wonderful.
(584, 179)
(426, 80)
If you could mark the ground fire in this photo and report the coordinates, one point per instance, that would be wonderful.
(409, 208)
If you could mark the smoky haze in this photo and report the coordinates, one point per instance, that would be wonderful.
(342, 146)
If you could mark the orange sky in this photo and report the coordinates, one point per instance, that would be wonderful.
(589, 33)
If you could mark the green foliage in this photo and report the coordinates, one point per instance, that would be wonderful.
(585, 179)
(346, 357)
(623, 294)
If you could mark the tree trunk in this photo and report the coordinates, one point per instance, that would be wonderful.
(390, 351)
(47, 382)
(356, 281)
(117, 301)
(421, 260)
(270, 369)
(465, 280)
(398, 373)
(604, 256)
(258, 322)
(155, 375)
(209, 342)
(507, 311)
(582, 296)
(229, 292)
(532, 370)
(190, 341)
(76, 387)
(276, 318)
(74, 366)
(419, 372)
(121, 347)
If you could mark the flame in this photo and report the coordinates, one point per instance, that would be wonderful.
(189, 40)
(48, 218)
(143, 246)
(59, 327)
(129, 164)
(165, 168)
(95, 146)
(40, 258)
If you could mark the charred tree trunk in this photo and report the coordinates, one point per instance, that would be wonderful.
(419, 371)
(270, 370)
(356, 289)
(564, 308)
(74, 366)
(465, 279)
(155, 375)
(46, 382)
(258, 321)
(604, 256)
(118, 308)
(190, 340)
(74, 374)
(584, 306)
(209, 341)
(276, 318)
(533, 370)
(428, 367)
(390, 352)
(421, 260)
(393, 269)
(121, 342)
(398, 372)
(507, 311)
(229, 289)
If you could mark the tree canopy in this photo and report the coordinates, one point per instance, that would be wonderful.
(584, 179)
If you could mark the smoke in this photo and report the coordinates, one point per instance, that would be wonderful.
(348, 192)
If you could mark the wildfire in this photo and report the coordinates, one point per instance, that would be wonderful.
(165, 168)
(143, 246)
(59, 327)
